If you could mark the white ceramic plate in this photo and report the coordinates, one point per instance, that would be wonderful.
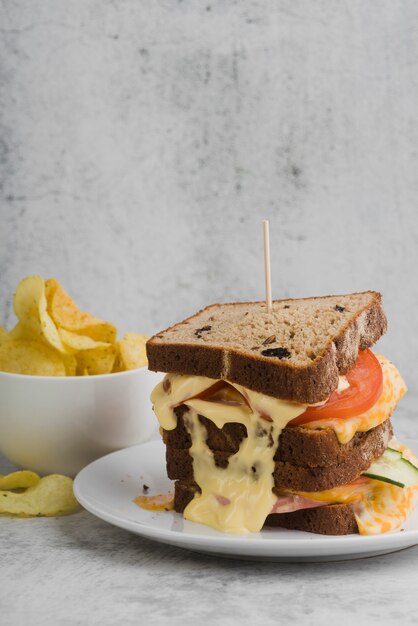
(108, 486)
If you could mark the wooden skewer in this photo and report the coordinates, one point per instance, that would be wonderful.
(267, 271)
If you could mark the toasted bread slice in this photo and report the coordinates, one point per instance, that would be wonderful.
(290, 475)
(301, 446)
(296, 352)
(332, 519)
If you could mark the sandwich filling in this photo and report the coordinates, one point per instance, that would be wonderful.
(239, 498)
(378, 506)
(393, 390)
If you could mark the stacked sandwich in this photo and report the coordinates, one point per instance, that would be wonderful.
(282, 418)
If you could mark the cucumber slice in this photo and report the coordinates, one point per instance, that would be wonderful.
(392, 468)
(391, 453)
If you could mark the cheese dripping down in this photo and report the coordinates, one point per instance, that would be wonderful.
(237, 498)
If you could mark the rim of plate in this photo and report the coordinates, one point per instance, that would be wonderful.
(403, 537)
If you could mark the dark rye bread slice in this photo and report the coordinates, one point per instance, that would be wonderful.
(300, 477)
(297, 445)
(332, 519)
(296, 352)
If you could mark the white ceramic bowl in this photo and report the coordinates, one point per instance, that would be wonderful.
(60, 424)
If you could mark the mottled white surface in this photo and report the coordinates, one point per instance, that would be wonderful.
(140, 146)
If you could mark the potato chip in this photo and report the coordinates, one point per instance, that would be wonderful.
(19, 480)
(28, 333)
(97, 361)
(53, 337)
(68, 316)
(70, 364)
(20, 331)
(75, 342)
(4, 335)
(19, 356)
(132, 352)
(30, 306)
(52, 495)
(117, 364)
(51, 285)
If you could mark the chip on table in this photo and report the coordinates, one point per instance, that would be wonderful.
(25, 494)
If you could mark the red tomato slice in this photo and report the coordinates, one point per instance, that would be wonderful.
(366, 385)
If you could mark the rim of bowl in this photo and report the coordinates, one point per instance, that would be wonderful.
(93, 376)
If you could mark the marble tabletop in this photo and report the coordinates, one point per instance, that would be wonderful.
(79, 570)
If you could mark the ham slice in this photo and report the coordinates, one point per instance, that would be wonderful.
(284, 504)
(288, 504)
(222, 500)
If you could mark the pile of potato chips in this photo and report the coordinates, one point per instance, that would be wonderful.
(26, 494)
(53, 337)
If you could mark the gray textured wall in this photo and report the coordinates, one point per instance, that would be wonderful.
(141, 143)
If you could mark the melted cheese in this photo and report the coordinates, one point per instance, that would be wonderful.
(378, 507)
(238, 498)
(159, 502)
(394, 389)
(174, 390)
